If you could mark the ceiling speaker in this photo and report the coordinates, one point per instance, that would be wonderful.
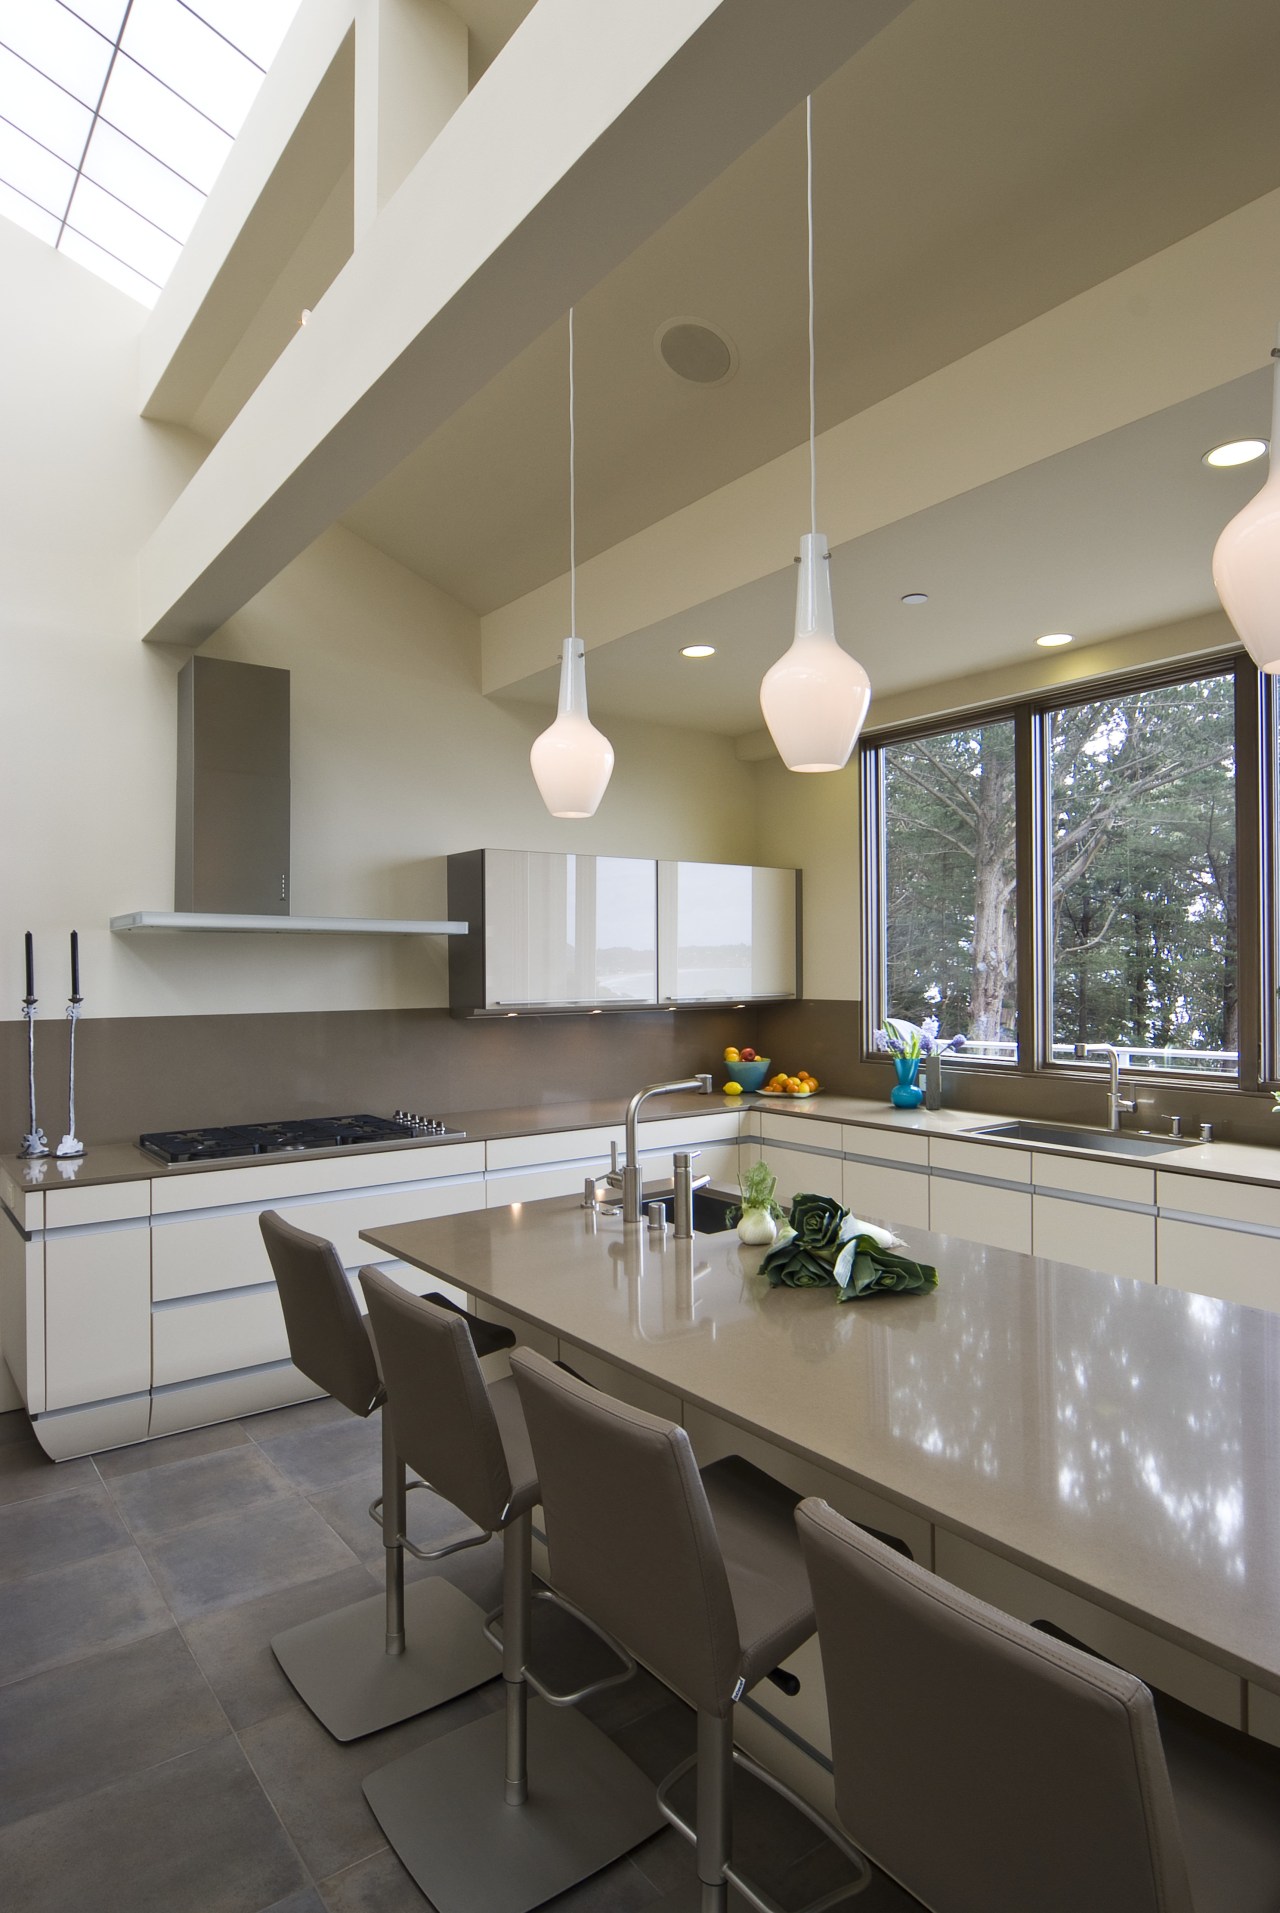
(696, 351)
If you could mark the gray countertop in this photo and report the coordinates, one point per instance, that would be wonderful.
(1115, 1437)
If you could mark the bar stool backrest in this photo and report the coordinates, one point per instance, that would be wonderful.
(987, 1767)
(441, 1416)
(327, 1338)
(629, 1531)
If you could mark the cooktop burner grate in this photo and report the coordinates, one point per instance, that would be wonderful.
(290, 1138)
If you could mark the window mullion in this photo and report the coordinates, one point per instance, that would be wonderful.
(1034, 934)
(1255, 970)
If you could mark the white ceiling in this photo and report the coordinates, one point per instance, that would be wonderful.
(975, 167)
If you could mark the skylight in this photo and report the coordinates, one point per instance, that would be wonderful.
(116, 117)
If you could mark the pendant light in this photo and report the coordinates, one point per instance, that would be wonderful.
(572, 761)
(815, 698)
(1246, 560)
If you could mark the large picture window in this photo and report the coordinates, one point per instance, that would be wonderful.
(1066, 876)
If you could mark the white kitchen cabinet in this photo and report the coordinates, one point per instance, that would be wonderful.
(804, 1154)
(886, 1176)
(727, 933)
(1199, 1250)
(552, 928)
(981, 1193)
(97, 1307)
(1099, 1215)
(531, 1168)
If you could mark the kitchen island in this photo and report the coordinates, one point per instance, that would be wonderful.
(1075, 1446)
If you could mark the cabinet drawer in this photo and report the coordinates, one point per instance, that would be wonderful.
(97, 1304)
(269, 1183)
(1111, 1181)
(568, 1145)
(980, 1159)
(1228, 1201)
(223, 1397)
(690, 1132)
(535, 1185)
(882, 1145)
(876, 1193)
(101, 1202)
(1030, 1597)
(1225, 1263)
(814, 1175)
(1114, 1241)
(801, 1133)
(210, 1335)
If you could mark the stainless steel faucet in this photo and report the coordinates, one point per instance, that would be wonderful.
(632, 1178)
(1116, 1103)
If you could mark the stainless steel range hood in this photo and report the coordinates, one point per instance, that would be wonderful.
(231, 863)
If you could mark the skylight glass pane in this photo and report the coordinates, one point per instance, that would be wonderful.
(13, 206)
(186, 55)
(106, 15)
(97, 216)
(141, 182)
(53, 40)
(138, 105)
(42, 109)
(34, 171)
(113, 270)
(256, 26)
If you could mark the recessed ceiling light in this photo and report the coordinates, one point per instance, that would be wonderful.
(697, 352)
(1055, 638)
(1238, 452)
(915, 597)
(697, 650)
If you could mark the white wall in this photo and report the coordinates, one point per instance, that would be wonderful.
(397, 757)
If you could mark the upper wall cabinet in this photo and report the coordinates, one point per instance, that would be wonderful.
(553, 931)
(726, 933)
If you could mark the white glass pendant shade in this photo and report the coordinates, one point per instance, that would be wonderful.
(572, 761)
(815, 699)
(1246, 561)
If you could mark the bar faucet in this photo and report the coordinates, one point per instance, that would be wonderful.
(1116, 1103)
(632, 1177)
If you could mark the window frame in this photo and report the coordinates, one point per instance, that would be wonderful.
(1257, 807)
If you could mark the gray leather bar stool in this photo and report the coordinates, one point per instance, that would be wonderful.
(697, 1573)
(379, 1661)
(569, 1801)
(992, 1769)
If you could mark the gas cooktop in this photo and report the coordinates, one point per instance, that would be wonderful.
(289, 1138)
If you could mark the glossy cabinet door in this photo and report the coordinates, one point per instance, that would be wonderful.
(561, 928)
(727, 933)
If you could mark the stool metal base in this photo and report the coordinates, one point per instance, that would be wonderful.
(341, 1669)
(443, 1812)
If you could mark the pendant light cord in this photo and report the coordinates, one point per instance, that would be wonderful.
(573, 503)
(813, 416)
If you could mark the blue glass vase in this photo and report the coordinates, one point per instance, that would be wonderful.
(906, 1092)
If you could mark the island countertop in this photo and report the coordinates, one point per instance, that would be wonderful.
(1119, 1439)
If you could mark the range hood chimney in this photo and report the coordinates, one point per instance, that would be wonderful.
(232, 850)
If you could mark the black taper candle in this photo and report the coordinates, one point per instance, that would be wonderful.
(75, 963)
(31, 968)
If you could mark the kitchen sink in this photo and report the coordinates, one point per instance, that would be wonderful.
(710, 1210)
(1101, 1142)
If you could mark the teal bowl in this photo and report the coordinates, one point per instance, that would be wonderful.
(750, 1075)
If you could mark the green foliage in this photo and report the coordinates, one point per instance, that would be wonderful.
(757, 1188)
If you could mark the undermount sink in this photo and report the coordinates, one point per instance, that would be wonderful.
(1102, 1142)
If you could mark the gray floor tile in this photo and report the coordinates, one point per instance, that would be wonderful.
(620, 1888)
(157, 1454)
(233, 1645)
(161, 1500)
(58, 1617)
(376, 1885)
(73, 1729)
(240, 1556)
(291, 1420)
(308, 1901)
(314, 1782)
(26, 1472)
(56, 1531)
(433, 1522)
(15, 1425)
(660, 1739)
(319, 1458)
(195, 1835)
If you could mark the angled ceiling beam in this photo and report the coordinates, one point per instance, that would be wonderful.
(591, 128)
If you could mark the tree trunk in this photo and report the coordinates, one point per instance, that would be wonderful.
(992, 929)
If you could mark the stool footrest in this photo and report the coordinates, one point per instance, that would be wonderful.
(755, 1895)
(476, 1540)
(554, 1698)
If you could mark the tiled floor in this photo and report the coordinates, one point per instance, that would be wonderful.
(153, 1757)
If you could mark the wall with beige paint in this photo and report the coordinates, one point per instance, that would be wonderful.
(397, 758)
